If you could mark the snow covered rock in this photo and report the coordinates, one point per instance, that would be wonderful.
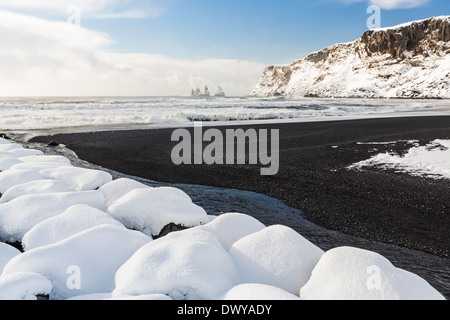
(85, 263)
(34, 187)
(10, 147)
(78, 179)
(406, 61)
(18, 216)
(231, 227)
(38, 166)
(119, 188)
(276, 256)
(151, 209)
(75, 219)
(186, 265)
(6, 254)
(6, 162)
(355, 274)
(24, 286)
(45, 158)
(258, 292)
(11, 178)
(109, 296)
(21, 152)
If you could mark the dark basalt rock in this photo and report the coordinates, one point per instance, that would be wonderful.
(52, 144)
(172, 227)
(418, 37)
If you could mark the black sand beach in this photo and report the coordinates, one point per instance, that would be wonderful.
(382, 206)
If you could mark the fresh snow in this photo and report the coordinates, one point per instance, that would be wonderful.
(78, 179)
(431, 161)
(94, 255)
(11, 178)
(231, 227)
(6, 162)
(24, 286)
(150, 210)
(38, 166)
(20, 215)
(276, 256)
(119, 188)
(34, 187)
(258, 292)
(187, 265)
(6, 253)
(356, 274)
(74, 220)
(109, 296)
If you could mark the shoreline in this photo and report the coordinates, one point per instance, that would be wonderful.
(376, 205)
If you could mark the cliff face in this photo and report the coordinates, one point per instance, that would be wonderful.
(406, 61)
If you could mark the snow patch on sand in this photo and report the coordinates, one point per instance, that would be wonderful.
(430, 161)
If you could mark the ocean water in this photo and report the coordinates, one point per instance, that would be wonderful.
(51, 113)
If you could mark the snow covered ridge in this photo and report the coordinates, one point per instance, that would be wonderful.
(411, 60)
(87, 237)
(430, 161)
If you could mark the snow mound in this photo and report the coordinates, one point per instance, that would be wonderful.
(11, 178)
(24, 286)
(119, 188)
(6, 254)
(431, 161)
(74, 220)
(276, 256)
(45, 158)
(186, 265)
(34, 187)
(150, 210)
(231, 227)
(355, 274)
(9, 147)
(38, 166)
(109, 296)
(4, 141)
(18, 216)
(21, 152)
(82, 264)
(78, 179)
(6, 162)
(258, 292)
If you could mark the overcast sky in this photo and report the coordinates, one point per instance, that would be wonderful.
(168, 47)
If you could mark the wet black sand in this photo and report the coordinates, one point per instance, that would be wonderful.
(376, 205)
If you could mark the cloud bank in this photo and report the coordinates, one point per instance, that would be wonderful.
(40, 57)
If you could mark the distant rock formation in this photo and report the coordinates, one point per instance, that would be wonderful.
(220, 92)
(198, 93)
(411, 60)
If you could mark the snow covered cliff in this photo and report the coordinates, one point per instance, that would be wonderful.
(411, 60)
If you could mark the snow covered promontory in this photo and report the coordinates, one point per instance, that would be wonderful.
(411, 60)
(87, 237)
